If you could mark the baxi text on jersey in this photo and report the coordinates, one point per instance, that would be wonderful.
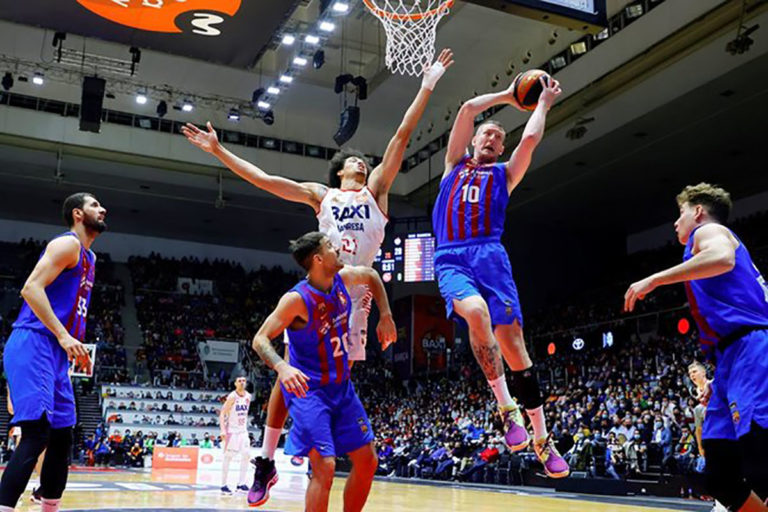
(241, 408)
(361, 211)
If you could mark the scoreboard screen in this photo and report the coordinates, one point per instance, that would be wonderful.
(419, 258)
(587, 6)
(584, 15)
(407, 258)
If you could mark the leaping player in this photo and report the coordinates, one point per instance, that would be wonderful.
(729, 300)
(233, 421)
(352, 212)
(328, 418)
(473, 269)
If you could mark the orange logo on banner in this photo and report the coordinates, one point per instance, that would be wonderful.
(155, 15)
(174, 458)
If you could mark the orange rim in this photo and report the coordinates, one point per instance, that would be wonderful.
(409, 17)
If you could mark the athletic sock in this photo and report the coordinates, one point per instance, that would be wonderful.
(271, 440)
(501, 391)
(243, 468)
(50, 505)
(225, 469)
(537, 421)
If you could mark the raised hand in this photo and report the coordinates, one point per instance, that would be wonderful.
(434, 72)
(208, 141)
(551, 90)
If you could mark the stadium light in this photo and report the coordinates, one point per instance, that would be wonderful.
(300, 61)
(311, 39)
(38, 79)
(327, 26)
(288, 39)
(341, 7)
(274, 91)
(286, 79)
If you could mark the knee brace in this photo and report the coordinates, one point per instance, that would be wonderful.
(526, 389)
(53, 479)
(723, 475)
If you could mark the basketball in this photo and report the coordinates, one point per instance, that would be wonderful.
(527, 87)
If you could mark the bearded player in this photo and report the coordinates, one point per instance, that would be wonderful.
(473, 269)
(729, 300)
(328, 418)
(352, 212)
(233, 421)
(48, 332)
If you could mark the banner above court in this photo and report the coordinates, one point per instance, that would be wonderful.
(230, 32)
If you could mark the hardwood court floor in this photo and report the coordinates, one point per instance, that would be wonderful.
(166, 491)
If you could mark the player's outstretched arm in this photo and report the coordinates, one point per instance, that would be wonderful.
(464, 124)
(308, 193)
(532, 134)
(384, 174)
(61, 253)
(714, 254)
(290, 307)
(386, 330)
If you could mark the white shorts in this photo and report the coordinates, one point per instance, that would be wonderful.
(358, 323)
(239, 442)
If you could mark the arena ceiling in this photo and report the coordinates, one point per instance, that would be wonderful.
(620, 180)
(621, 183)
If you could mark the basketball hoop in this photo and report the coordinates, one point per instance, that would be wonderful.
(410, 26)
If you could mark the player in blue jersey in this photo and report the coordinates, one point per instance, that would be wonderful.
(352, 209)
(473, 269)
(47, 334)
(328, 418)
(729, 300)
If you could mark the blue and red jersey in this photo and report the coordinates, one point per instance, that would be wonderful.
(729, 303)
(320, 348)
(69, 295)
(471, 206)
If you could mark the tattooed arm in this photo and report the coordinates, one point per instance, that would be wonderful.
(290, 308)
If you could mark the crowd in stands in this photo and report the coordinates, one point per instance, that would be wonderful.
(608, 420)
(622, 411)
(129, 448)
(231, 306)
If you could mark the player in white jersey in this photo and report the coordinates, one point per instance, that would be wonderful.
(233, 421)
(352, 212)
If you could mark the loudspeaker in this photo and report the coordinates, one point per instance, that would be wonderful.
(91, 104)
(350, 118)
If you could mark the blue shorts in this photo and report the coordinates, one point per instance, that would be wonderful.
(483, 270)
(37, 369)
(330, 419)
(739, 390)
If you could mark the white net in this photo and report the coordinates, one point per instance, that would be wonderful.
(410, 26)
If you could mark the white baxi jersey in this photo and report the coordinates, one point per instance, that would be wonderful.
(355, 224)
(237, 421)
